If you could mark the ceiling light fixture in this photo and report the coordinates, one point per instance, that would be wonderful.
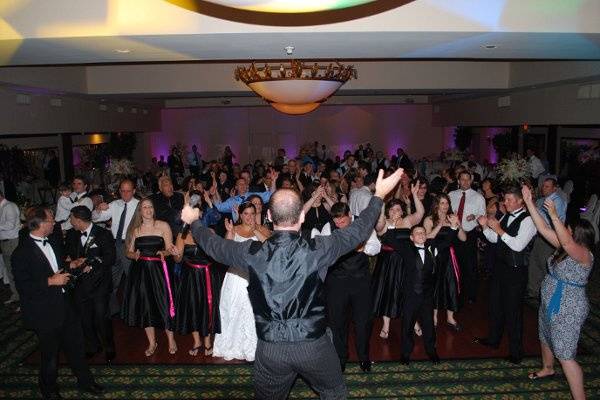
(295, 87)
(287, 6)
(489, 46)
(123, 51)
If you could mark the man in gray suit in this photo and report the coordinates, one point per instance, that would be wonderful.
(286, 282)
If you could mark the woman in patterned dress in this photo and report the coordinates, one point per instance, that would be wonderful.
(564, 306)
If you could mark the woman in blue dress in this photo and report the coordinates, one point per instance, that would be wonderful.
(564, 305)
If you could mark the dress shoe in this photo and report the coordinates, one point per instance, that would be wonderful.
(514, 360)
(485, 342)
(93, 389)
(110, 356)
(365, 366)
(434, 358)
(455, 326)
(405, 360)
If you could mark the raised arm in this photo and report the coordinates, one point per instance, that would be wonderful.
(537, 218)
(417, 216)
(574, 250)
(345, 240)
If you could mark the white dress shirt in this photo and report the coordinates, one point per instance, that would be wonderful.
(77, 199)
(535, 167)
(115, 209)
(47, 250)
(10, 221)
(474, 205)
(517, 243)
(63, 208)
(372, 246)
(359, 200)
(85, 238)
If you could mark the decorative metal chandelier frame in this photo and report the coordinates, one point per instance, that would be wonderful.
(295, 87)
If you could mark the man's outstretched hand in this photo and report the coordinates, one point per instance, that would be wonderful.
(189, 214)
(385, 186)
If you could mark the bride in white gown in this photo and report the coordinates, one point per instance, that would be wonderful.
(237, 339)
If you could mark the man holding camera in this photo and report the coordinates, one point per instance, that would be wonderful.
(47, 306)
(94, 250)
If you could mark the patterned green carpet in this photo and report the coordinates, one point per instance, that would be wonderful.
(464, 379)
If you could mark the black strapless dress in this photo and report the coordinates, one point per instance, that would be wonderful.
(194, 310)
(147, 296)
(387, 277)
(445, 295)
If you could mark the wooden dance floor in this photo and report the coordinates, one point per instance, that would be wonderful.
(131, 342)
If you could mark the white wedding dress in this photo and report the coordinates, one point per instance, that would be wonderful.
(237, 339)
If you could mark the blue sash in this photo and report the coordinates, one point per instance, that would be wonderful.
(554, 304)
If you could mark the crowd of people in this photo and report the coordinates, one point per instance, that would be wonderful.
(383, 236)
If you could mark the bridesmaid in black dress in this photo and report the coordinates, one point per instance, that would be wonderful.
(445, 296)
(148, 300)
(386, 286)
(200, 286)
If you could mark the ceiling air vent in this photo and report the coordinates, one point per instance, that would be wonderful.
(504, 101)
(23, 99)
(56, 102)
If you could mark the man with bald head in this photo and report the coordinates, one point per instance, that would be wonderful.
(286, 283)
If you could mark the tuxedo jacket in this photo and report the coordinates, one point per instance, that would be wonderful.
(418, 278)
(101, 246)
(42, 306)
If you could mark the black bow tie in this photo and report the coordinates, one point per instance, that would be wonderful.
(42, 241)
(84, 233)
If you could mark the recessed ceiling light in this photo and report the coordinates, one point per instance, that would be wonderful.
(489, 46)
(123, 51)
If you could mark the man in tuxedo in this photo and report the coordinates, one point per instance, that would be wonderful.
(47, 306)
(514, 234)
(94, 247)
(348, 283)
(418, 284)
(285, 286)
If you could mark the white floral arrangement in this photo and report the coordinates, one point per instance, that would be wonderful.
(120, 168)
(513, 170)
(454, 155)
(589, 155)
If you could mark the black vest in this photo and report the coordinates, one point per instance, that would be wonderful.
(424, 276)
(504, 254)
(354, 264)
(290, 305)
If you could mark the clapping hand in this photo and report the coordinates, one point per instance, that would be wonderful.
(453, 219)
(494, 224)
(483, 221)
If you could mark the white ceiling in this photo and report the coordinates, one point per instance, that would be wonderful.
(37, 32)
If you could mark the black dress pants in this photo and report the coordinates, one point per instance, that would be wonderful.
(507, 289)
(96, 322)
(277, 365)
(354, 292)
(67, 337)
(417, 307)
